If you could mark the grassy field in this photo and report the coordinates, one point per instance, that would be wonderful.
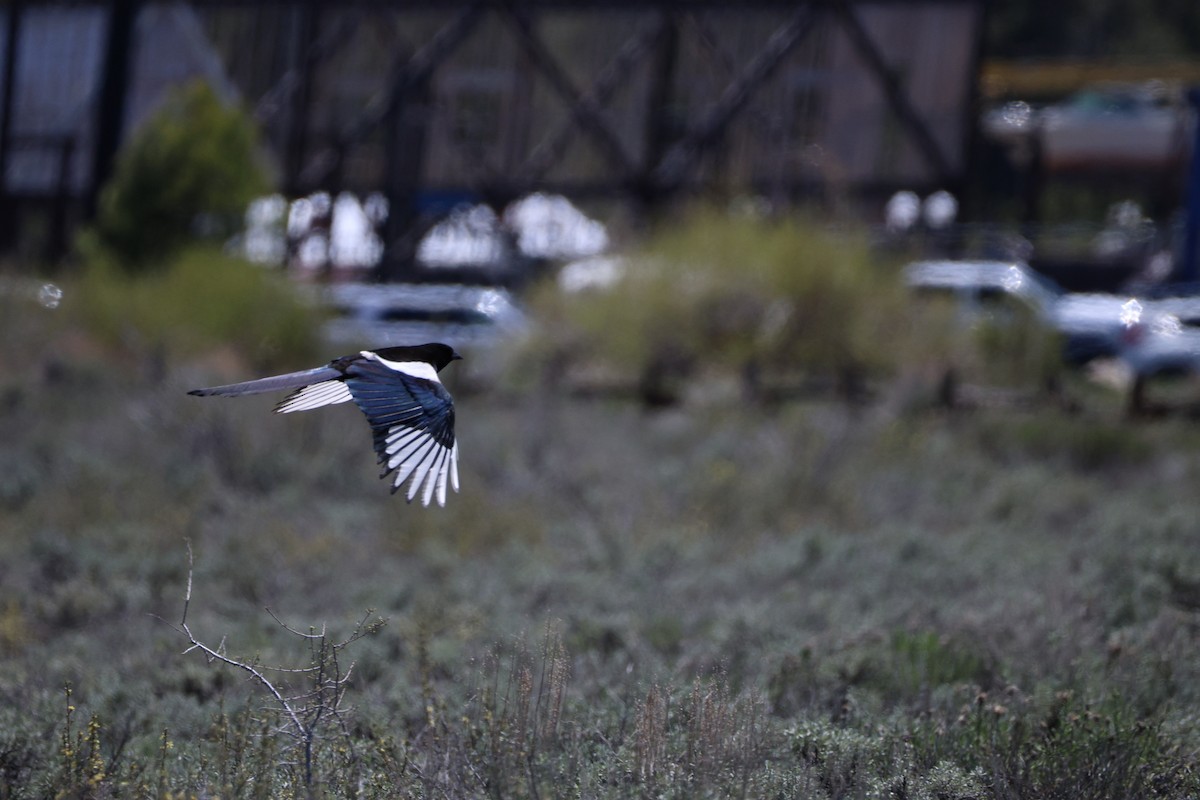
(808, 600)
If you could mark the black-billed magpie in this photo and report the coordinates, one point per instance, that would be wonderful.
(397, 388)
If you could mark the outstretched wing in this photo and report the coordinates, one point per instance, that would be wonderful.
(412, 419)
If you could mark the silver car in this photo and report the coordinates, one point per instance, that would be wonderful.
(1092, 325)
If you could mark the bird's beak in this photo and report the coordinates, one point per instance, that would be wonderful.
(456, 357)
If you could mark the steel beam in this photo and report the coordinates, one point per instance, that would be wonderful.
(406, 74)
(550, 150)
(114, 89)
(12, 41)
(684, 153)
(893, 90)
(584, 109)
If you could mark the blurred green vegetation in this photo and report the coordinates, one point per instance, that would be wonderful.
(186, 175)
(154, 281)
(732, 293)
(775, 305)
(198, 300)
(1017, 349)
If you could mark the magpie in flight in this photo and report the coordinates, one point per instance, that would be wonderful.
(411, 414)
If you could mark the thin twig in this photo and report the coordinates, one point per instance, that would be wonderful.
(305, 711)
(214, 655)
(292, 630)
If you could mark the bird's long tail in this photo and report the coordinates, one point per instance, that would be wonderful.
(275, 383)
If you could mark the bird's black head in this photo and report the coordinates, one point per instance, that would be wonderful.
(434, 353)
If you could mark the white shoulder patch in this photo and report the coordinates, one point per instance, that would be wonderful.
(417, 369)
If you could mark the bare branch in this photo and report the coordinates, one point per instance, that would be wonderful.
(214, 655)
(304, 711)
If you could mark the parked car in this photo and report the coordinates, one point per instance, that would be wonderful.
(1092, 325)
(1114, 125)
(407, 313)
(1144, 338)
(1186, 308)
(1158, 341)
(1110, 125)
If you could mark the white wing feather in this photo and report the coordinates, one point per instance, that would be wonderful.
(325, 393)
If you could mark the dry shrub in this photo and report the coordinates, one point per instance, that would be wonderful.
(186, 175)
(772, 299)
(196, 302)
(515, 714)
(650, 736)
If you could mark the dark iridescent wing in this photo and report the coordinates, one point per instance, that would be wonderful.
(412, 420)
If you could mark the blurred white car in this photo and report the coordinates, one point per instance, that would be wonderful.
(1112, 125)
(410, 313)
(1092, 325)
(1161, 338)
